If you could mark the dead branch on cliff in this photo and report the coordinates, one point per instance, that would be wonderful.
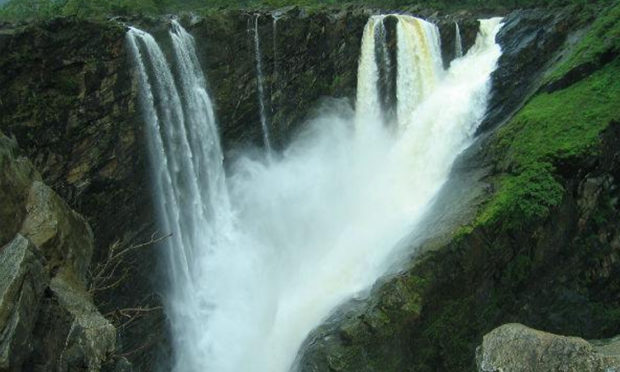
(113, 270)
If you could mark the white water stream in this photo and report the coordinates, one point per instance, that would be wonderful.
(458, 42)
(261, 256)
(260, 89)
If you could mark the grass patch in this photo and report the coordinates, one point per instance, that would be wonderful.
(552, 128)
(600, 41)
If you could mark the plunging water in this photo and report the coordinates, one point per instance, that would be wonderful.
(458, 42)
(260, 89)
(260, 257)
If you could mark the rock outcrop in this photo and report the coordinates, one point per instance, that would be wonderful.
(517, 348)
(47, 318)
(22, 281)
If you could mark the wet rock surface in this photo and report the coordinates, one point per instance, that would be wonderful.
(531, 41)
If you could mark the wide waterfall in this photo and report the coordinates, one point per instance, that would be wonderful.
(419, 65)
(260, 256)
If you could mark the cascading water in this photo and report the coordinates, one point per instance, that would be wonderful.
(419, 65)
(260, 87)
(368, 103)
(186, 158)
(276, 67)
(257, 260)
(458, 43)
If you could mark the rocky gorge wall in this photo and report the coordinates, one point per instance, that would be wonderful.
(69, 98)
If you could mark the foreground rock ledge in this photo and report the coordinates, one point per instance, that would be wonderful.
(515, 347)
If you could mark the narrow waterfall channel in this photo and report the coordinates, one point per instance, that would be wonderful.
(260, 256)
(260, 87)
(458, 42)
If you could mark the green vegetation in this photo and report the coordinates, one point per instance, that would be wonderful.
(556, 128)
(36, 10)
(601, 41)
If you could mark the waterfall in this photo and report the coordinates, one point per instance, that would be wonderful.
(385, 70)
(188, 174)
(167, 137)
(276, 68)
(458, 43)
(419, 65)
(204, 138)
(368, 104)
(260, 87)
(260, 255)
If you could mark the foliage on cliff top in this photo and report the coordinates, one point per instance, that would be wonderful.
(36, 10)
(555, 129)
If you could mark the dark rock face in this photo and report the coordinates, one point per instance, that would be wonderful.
(468, 26)
(530, 40)
(515, 347)
(304, 57)
(68, 100)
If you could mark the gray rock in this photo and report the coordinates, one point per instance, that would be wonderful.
(64, 330)
(62, 235)
(91, 338)
(22, 282)
(517, 348)
(16, 175)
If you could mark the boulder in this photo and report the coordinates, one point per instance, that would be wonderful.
(517, 348)
(16, 175)
(62, 235)
(91, 338)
